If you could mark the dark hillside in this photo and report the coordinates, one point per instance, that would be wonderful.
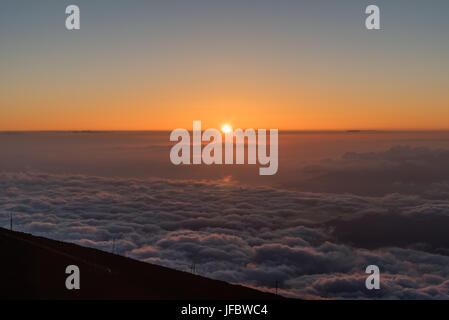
(34, 268)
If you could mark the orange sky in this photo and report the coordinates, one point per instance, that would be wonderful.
(260, 104)
(294, 70)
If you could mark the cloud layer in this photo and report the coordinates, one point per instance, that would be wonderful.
(311, 244)
(401, 169)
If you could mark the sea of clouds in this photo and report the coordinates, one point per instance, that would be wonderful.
(315, 245)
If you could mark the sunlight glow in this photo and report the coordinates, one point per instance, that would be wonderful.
(226, 128)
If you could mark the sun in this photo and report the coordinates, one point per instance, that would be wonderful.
(226, 128)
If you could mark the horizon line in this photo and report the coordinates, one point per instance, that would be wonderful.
(280, 130)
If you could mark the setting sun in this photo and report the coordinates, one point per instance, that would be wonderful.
(226, 128)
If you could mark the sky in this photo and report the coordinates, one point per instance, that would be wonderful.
(340, 200)
(159, 65)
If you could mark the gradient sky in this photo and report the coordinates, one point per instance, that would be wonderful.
(147, 65)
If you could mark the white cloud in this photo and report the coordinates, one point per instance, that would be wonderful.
(249, 235)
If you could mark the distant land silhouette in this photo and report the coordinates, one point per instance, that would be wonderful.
(34, 268)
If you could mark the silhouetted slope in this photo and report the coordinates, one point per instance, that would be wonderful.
(34, 268)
